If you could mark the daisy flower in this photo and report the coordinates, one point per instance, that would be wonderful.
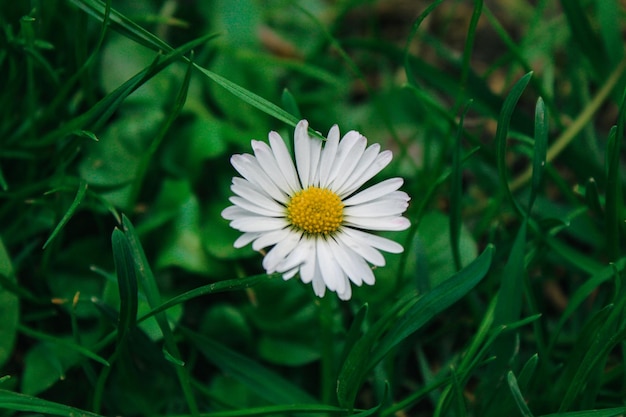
(312, 214)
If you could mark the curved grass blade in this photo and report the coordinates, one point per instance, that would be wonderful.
(407, 316)
(80, 194)
(607, 412)
(502, 131)
(434, 302)
(614, 204)
(19, 402)
(456, 180)
(584, 292)
(217, 287)
(153, 296)
(540, 151)
(65, 343)
(127, 283)
(517, 395)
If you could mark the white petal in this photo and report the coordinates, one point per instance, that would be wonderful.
(297, 257)
(244, 239)
(375, 191)
(315, 148)
(378, 242)
(349, 164)
(256, 209)
(328, 155)
(391, 223)
(258, 224)
(284, 160)
(302, 150)
(279, 252)
(353, 265)
(270, 238)
(377, 208)
(255, 194)
(346, 144)
(249, 168)
(307, 270)
(347, 293)
(268, 163)
(318, 282)
(234, 212)
(366, 160)
(371, 168)
(370, 254)
(331, 271)
(290, 274)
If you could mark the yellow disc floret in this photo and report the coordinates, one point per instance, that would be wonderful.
(315, 211)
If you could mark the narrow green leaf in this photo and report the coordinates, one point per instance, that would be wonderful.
(9, 307)
(614, 203)
(153, 296)
(82, 189)
(405, 318)
(456, 180)
(290, 104)
(65, 343)
(434, 302)
(583, 293)
(502, 132)
(215, 288)
(540, 151)
(607, 412)
(592, 197)
(19, 402)
(250, 97)
(509, 305)
(355, 331)
(127, 283)
(527, 371)
(517, 395)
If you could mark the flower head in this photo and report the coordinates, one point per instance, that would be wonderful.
(312, 214)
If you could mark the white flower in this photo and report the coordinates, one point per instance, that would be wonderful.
(311, 214)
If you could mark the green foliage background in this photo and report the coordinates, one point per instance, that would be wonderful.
(121, 293)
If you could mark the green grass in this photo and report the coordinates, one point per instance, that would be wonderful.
(121, 292)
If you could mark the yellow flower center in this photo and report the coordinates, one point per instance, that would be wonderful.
(315, 211)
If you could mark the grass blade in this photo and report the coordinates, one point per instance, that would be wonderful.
(19, 402)
(127, 283)
(80, 194)
(517, 395)
(502, 131)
